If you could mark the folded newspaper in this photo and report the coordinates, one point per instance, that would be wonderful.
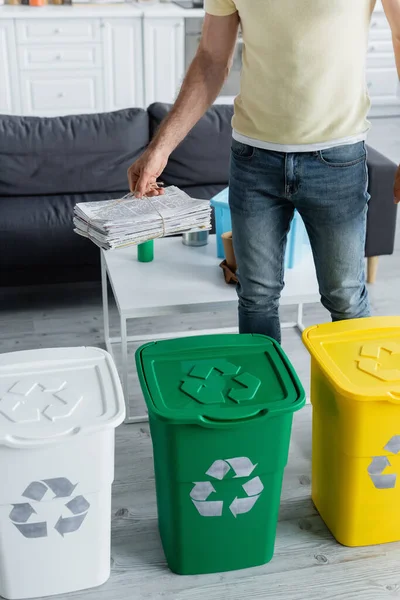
(129, 221)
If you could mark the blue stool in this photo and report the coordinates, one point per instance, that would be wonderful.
(297, 236)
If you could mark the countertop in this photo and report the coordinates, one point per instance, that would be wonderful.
(160, 9)
(92, 10)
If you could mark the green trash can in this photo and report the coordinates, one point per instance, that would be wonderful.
(220, 410)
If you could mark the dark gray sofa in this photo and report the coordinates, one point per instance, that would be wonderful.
(47, 165)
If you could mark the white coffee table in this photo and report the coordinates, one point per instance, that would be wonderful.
(182, 279)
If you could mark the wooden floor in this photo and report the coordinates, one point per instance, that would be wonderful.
(308, 563)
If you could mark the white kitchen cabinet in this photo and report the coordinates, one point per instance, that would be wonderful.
(53, 93)
(123, 63)
(80, 65)
(9, 95)
(60, 65)
(164, 58)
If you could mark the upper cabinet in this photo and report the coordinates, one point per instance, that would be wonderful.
(164, 54)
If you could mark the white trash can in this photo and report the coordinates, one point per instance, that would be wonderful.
(58, 413)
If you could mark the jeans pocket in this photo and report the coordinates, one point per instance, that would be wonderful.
(242, 151)
(343, 156)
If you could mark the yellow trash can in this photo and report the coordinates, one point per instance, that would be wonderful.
(355, 393)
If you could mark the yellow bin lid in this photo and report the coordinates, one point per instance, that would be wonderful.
(360, 357)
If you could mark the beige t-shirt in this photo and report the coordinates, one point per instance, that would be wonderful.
(303, 75)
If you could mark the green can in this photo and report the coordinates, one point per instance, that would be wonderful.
(220, 410)
(145, 251)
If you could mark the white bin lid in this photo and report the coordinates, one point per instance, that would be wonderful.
(50, 395)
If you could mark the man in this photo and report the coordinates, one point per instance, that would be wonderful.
(299, 131)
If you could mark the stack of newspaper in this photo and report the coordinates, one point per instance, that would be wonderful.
(129, 221)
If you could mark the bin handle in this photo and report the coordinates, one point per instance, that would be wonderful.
(207, 422)
(394, 397)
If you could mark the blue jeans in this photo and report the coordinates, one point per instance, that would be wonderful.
(329, 190)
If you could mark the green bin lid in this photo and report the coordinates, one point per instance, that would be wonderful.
(217, 379)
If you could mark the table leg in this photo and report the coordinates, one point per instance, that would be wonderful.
(124, 352)
(300, 325)
(124, 348)
(106, 314)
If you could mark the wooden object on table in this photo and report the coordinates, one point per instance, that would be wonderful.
(229, 253)
(230, 276)
(372, 268)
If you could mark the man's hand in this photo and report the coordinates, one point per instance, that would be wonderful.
(143, 174)
(397, 187)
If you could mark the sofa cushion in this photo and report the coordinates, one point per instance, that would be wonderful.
(73, 154)
(203, 157)
(38, 232)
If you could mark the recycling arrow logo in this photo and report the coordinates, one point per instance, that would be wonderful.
(376, 468)
(36, 491)
(372, 360)
(207, 380)
(29, 400)
(242, 468)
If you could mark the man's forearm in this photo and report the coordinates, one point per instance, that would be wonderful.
(392, 11)
(396, 46)
(201, 86)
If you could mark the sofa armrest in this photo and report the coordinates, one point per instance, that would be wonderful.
(382, 211)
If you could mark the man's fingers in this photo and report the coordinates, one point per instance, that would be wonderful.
(143, 184)
(132, 184)
(154, 191)
(132, 180)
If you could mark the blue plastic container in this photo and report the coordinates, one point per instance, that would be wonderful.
(297, 236)
(223, 222)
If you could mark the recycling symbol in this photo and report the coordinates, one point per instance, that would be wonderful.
(61, 487)
(206, 383)
(371, 360)
(242, 467)
(29, 400)
(384, 481)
